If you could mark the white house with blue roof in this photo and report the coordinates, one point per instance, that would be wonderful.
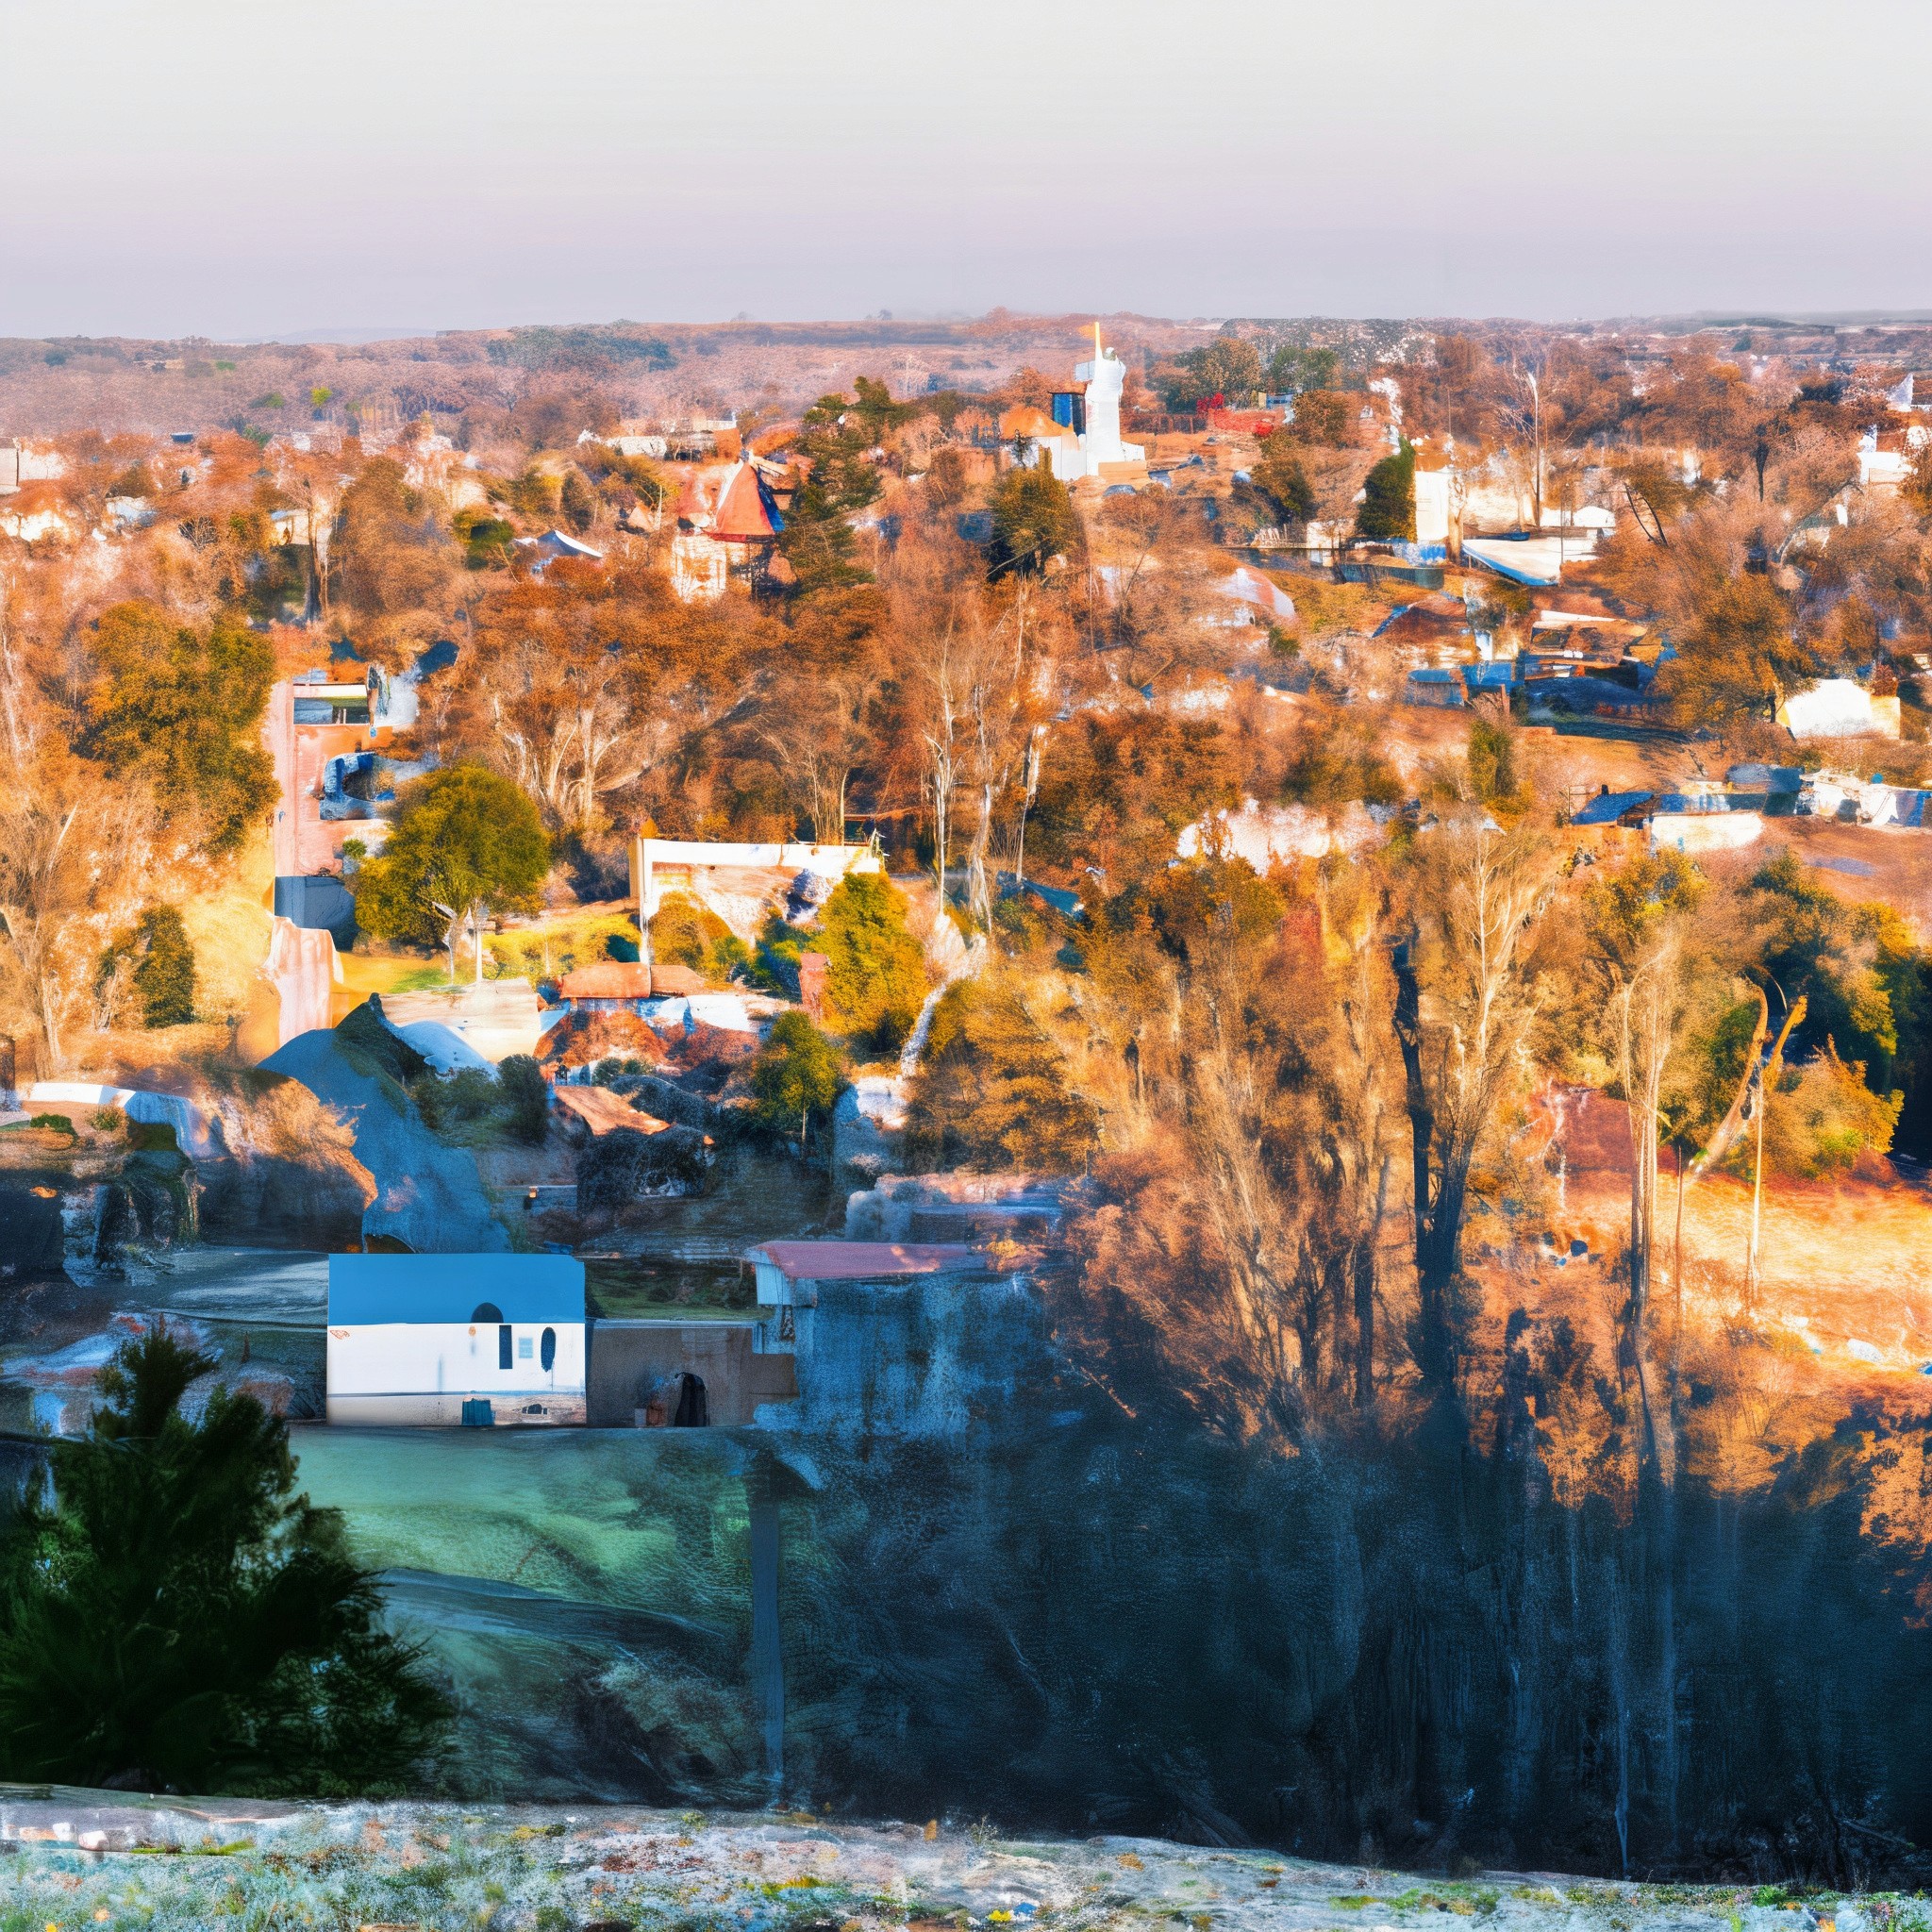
(448, 1340)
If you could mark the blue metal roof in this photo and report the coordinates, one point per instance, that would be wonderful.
(1608, 807)
(367, 1289)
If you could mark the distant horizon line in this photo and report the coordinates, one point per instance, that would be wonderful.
(365, 335)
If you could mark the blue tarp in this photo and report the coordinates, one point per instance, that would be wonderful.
(364, 1288)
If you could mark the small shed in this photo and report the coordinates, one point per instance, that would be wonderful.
(441, 1340)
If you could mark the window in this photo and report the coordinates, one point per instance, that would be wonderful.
(525, 1348)
(503, 1346)
(549, 1356)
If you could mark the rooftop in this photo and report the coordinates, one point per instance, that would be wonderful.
(862, 1260)
(374, 1289)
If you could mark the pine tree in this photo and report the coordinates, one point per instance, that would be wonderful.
(176, 1618)
(1387, 511)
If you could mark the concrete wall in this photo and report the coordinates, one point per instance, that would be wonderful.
(631, 1361)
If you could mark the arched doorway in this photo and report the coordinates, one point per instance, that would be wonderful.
(692, 1411)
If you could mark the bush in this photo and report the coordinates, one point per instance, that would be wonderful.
(109, 1120)
(1822, 1116)
(54, 1124)
(524, 1097)
(684, 933)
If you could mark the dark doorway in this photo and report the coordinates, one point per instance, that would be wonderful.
(692, 1411)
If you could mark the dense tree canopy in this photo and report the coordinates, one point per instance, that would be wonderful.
(178, 1618)
(178, 707)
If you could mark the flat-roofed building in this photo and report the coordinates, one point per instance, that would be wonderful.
(444, 1341)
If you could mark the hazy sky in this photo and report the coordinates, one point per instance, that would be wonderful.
(240, 168)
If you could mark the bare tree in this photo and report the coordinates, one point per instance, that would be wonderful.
(1466, 997)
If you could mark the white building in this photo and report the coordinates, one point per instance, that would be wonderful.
(439, 1341)
(1084, 452)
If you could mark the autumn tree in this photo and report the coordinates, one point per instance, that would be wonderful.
(1467, 992)
(1639, 919)
(177, 708)
(1738, 656)
(992, 1089)
(1280, 476)
(393, 554)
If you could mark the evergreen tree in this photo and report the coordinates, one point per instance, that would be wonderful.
(875, 980)
(162, 967)
(1033, 519)
(178, 1618)
(1387, 508)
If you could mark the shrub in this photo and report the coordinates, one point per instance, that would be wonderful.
(524, 1097)
(684, 933)
(1387, 508)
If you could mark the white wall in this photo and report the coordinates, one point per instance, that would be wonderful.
(421, 1373)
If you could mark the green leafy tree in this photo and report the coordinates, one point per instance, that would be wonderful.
(1033, 519)
(875, 975)
(1295, 371)
(160, 963)
(1387, 508)
(1228, 367)
(178, 1618)
(465, 841)
(798, 1073)
(180, 707)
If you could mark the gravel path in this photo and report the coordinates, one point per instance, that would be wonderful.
(70, 1862)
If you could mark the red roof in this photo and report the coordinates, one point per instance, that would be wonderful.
(862, 1260)
(726, 501)
(741, 516)
(607, 979)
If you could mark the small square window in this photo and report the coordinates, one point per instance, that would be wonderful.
(525, 1348)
